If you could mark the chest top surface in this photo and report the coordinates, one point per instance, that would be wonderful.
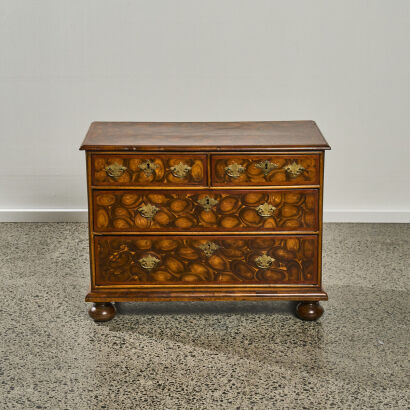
(204, 136)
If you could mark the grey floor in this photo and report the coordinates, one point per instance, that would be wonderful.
(227, 355)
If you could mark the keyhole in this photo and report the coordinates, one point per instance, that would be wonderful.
(207, 201)
(147, 164)
(266, 165)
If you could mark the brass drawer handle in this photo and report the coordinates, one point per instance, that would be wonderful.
(148, 167)
(149, 262)
(115, 170)
(209, 248)
(180, 170)
(266, 166)
(264, 261)
(148, 211)
(207, 203)
(294, 169)
(234, 170)
(265, 210)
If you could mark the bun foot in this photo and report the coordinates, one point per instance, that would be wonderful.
(102, 311)
(309, 310)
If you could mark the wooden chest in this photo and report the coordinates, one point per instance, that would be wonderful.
(205, 211)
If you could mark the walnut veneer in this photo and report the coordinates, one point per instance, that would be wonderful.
(205, 211)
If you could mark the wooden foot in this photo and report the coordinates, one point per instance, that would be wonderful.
(102, 311)
(309, 310)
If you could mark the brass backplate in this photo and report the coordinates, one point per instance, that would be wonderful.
(264, 261)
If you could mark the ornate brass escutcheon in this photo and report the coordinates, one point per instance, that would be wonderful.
(294, 169)
(265, 209)
(234, 170)
(149, 262)
(180, 170)
(207, 203)
(148, 167)
(209, 248)
(148, 211)
(264, 261)
(266, 166)
(115, 170)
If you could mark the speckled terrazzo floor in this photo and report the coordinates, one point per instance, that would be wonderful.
(236, 355)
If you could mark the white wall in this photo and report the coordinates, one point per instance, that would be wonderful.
(344, 64)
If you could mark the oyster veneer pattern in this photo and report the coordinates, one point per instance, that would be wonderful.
(205, 211)
(187, 260)
(275, 170)
(148, 170)
(189, 210)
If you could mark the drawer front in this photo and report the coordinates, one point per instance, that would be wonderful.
(279, 170)
(149, 170)
(206, 210)
(139, 260)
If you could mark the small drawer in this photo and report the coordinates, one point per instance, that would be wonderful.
(148, 170)
(206, 260)
(205, 210)
(273, 170)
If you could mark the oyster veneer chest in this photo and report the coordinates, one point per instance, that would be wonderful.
(205, 211)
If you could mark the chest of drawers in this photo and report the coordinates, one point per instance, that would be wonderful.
(205, 211)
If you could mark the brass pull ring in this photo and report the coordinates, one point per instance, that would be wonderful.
(149, 262)
(115, 170)
(265, 210)
(234, 170)
(180, 170)
(264, 261)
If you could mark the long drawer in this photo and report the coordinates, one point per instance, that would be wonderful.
(205, 210)
(206, 260)
(274, 170)
(148, 169)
